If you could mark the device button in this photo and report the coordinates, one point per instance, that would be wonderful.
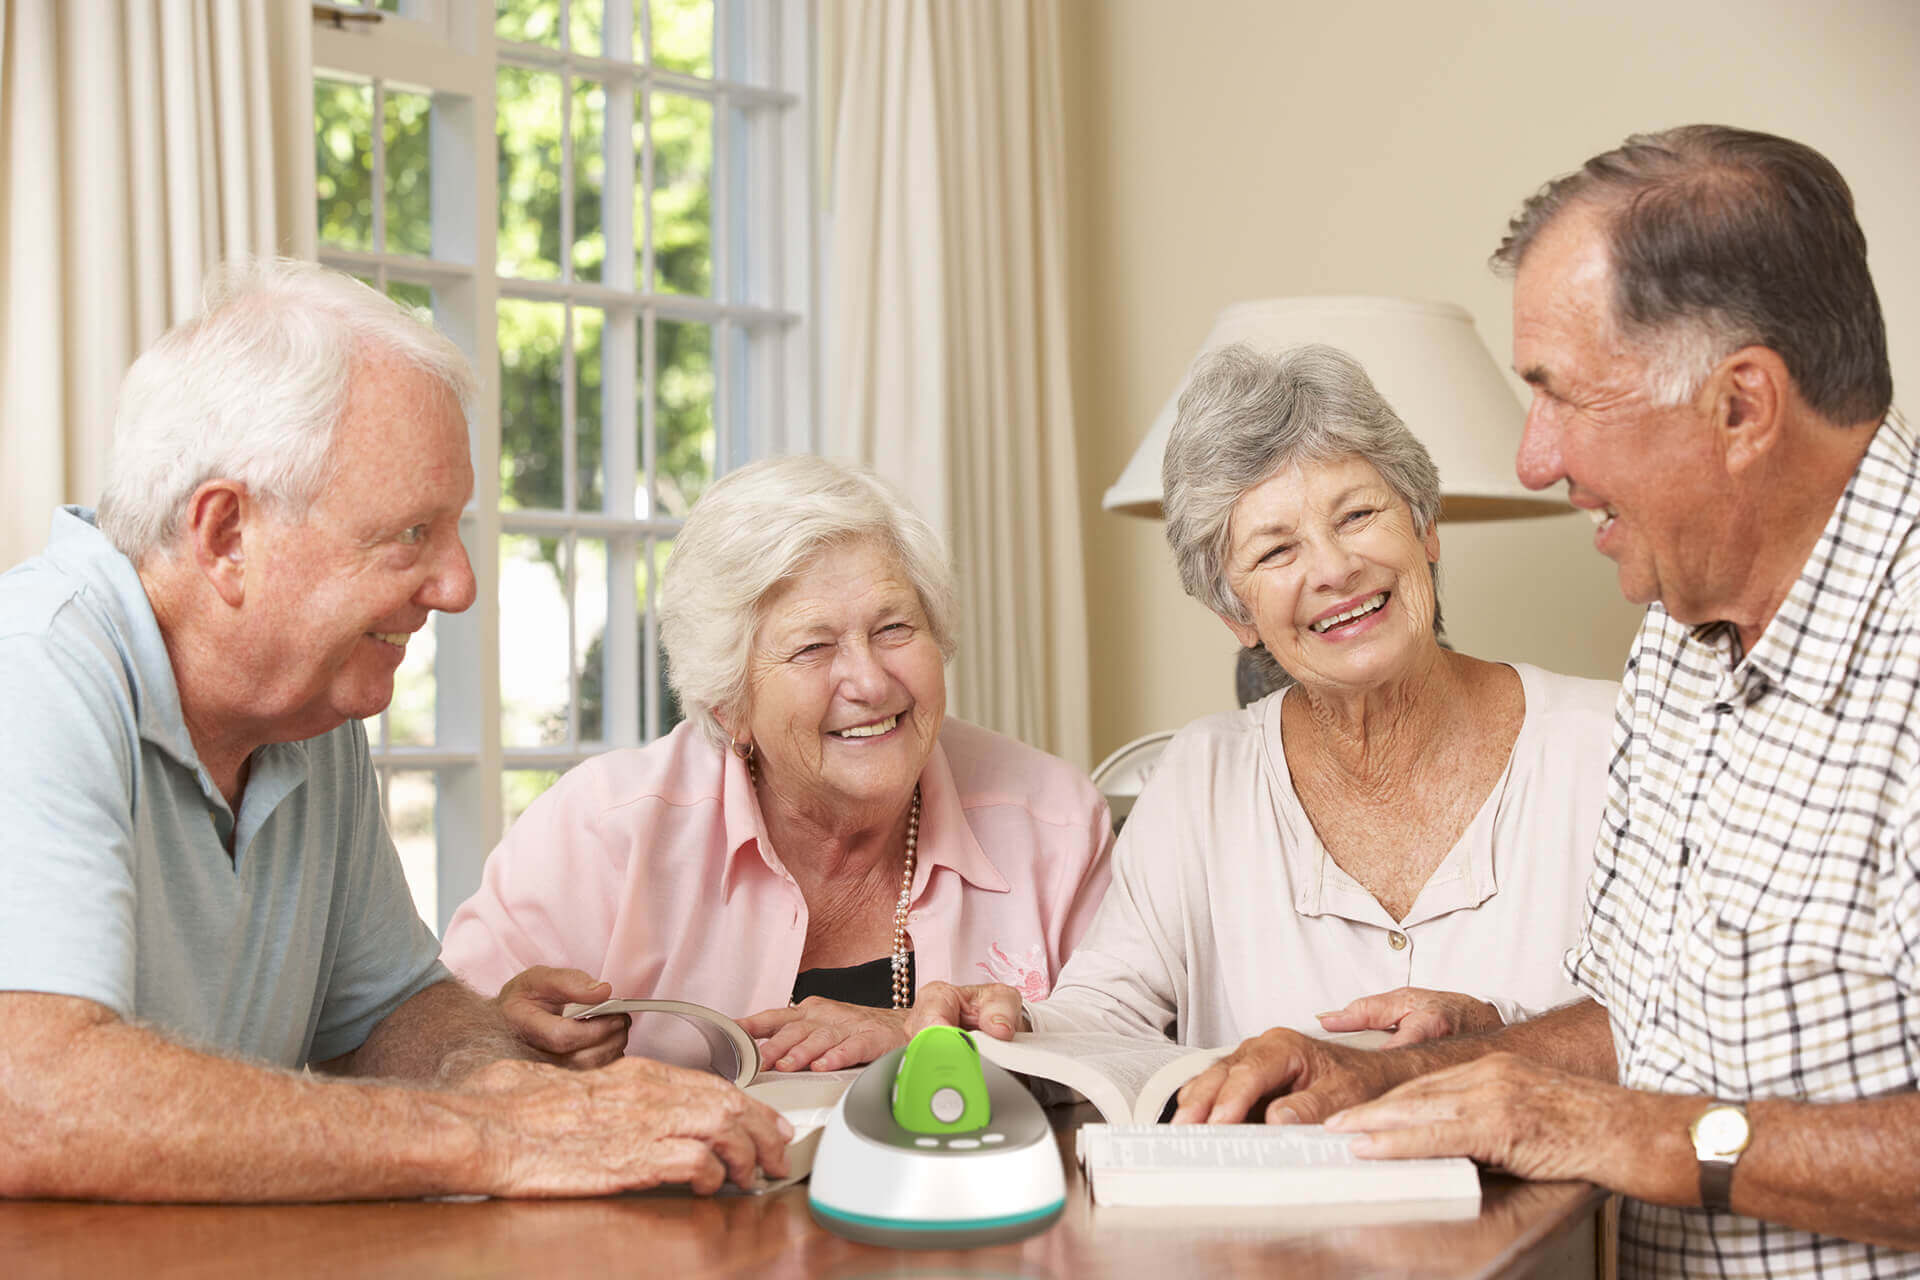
(946, 1105)
(991, 1138)
(926, 1142)
(963, 1144)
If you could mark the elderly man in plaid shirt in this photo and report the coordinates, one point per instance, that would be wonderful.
(1709, 366)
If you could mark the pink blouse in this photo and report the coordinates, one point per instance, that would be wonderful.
(650, 868)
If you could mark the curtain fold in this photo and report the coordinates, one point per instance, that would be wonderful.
(945, 326)
(138, 140)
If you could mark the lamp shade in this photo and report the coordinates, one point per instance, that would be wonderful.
(1427, 360)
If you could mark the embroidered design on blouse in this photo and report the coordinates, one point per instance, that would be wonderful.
(1026, 974)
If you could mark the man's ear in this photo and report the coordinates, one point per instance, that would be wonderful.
(1750, 392)
(217, 519)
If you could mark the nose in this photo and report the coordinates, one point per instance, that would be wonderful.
(451, 587)
(1538, 462)
(1330, 563)
(861, 676)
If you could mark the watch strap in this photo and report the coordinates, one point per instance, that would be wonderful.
(1716, 1185)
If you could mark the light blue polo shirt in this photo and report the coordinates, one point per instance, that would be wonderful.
(115, 882)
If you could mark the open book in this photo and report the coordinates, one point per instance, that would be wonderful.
(1212, 1166)
(805, 1098)
(1128, 1079)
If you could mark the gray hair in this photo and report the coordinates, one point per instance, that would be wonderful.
(752, 531)
(252, 390)
(1721, 238)
(1245, 416)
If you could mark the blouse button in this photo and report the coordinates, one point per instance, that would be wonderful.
(1397, 940)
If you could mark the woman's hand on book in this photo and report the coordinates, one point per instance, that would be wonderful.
(825, 1035)
(992, 1007)
(1312, 1078)
(531, 1003)
(637, 1123)
(1414, 1014)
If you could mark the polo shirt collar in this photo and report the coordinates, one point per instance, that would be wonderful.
(1810, 641)
(946, 839)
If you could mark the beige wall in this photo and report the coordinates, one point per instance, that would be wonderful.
(1221, 150)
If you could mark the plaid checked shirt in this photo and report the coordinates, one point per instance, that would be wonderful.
(1754, 915)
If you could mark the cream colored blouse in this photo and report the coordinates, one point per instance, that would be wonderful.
(1226, 916)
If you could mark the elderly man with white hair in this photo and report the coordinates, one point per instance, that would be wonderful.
(198, 897)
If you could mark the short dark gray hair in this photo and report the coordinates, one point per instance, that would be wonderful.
(753, 530)
(1721, 238)
(1246, 415)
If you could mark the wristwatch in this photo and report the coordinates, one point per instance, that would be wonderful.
(1720, 1134)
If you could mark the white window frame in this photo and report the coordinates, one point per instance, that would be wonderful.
(448, 47)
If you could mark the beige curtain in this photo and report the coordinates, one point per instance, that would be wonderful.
(138, 142)
(945, 326)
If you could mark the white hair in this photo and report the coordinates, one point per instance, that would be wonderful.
(252, 390)
(757, 528)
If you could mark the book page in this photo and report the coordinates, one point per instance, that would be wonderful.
(1107, 1070)
(731, 1052)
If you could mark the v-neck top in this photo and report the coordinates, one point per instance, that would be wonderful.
(1227, 916)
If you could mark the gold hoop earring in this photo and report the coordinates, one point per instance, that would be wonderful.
(744, 750)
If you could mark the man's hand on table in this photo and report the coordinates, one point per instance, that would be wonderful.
(1503, 1110)
(1314, 1078)
(546, 1131)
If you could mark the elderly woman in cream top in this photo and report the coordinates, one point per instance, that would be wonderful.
(819, 833)
(1404, 835)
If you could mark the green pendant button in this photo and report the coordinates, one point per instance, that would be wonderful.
(939, 1088)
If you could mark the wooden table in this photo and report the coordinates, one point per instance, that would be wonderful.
(1523, 1228)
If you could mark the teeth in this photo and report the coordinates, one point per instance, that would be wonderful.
(1360, 610)
(873, 730)
(392, 637)
(1601, 515)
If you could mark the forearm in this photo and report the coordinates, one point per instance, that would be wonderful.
(1574, 1037)
(440, 1035)
(1843, 1169)
(101, 1109)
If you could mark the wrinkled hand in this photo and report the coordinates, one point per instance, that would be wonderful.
(531, 1004)
(1503, 1110)
(1315, 1079)
(545, 1131)
(992, 1007)
(825, 1035)
(1414, 1014)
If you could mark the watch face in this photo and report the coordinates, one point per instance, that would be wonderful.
(1721, 1131)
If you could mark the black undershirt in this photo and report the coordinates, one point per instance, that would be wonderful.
(869, 984)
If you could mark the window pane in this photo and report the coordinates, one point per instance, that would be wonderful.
(649, 568)
(409, 172)
(530, 404)
(410, 717)
(586, 25)
(683, 35)
(527, 132)
(589, 178)
(589, 336)
(343, 169)
(520, 788)
(683, 414)
(590, 634)
(528, 21)
(534, 684)
(410, 795)
(418, 298)
(682, 194)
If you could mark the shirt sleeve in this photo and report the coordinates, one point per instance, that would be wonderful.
(548, 895)
(1586, 962)
(1125, 974)
(387, 954)
(69, 764)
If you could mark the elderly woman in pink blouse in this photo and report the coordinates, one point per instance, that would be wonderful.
(819, 836)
